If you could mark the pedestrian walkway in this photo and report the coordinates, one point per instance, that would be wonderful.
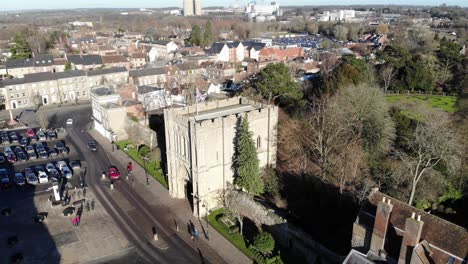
(178, 208)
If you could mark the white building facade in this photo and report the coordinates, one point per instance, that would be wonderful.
(200, 146)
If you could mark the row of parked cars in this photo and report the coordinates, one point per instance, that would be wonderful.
(38, 150)
(40, 174)
(14, 138)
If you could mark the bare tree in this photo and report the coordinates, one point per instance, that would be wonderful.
(387, 73)
(235, 207)
(43, 120)
(329, 126)
(348, 164)
(434, 142)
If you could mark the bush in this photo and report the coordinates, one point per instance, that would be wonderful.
(272, 181)
(144, 151)
(264, 243)
(156, 154)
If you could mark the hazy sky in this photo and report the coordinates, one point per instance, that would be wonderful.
(51, 4)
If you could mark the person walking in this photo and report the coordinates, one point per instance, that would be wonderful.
(196, 234)
(112, 143)
(129, 168)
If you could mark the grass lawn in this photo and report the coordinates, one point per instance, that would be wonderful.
(234, 238)
(446, 103)
(153, 167)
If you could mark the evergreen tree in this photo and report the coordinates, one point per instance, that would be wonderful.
(246, 161)
(208, 34)
(195, 36)
(21, 48)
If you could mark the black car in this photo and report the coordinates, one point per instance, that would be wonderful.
(60, 144)
(5, 140)
(52, 135)
(63, 151)
(92, 145)
(14, 137)
(54, 175)
(53, 152)
(32, 155)
(22, 157)
(43, 154)
(18, 149)
(24, 141)
(2, 159)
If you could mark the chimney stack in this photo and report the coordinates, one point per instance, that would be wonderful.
(411, 237)
(382, 216)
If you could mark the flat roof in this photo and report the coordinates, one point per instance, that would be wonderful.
(221, 111)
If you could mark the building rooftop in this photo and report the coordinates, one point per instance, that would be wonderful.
(107, 71)
(102, 91)
(222, 111)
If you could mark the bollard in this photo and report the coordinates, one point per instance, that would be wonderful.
(177, 227)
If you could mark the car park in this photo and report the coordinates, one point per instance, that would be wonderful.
(31, 178)
(43, 177)
(92, 145)
(18, 149)
(24, 141)
(29, 149)
(19, 179)
(41, 136)
(39, 145)
(8, 150)
(5, 180)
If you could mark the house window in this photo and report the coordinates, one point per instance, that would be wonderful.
(24, 94)
(17, 95)
(259, 142)
(19, 102)
(25, 101)
(84, 92)
(77, 93)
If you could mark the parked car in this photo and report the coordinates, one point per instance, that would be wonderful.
(29, 148)
(63, 151)
(43, 177)
(75, 165)
(43, 154)
(2, 159)
(59, 144)
(31, 132)
(41, 136)
(52, 135)
(22, 157)
(5, 139)
(62, 166)
(8, 150)
(32, 155)
(19, 179)
(69, 121)
(39, 145)
(18, 149)
(14, 137)
(53, 152)
(113, 173)
(49, 167)
(11, 157)
(31, 178)
(24, 141)
(92, 145)
(54, 175)
(38, 168)
(4, 179)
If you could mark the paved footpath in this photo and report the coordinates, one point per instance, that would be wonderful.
(179, 209)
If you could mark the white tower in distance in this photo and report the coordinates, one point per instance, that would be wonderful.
(188, 8)
(197, 7)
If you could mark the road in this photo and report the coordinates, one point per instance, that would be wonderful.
(171, 248)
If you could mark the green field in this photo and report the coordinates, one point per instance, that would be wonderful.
(446, 103)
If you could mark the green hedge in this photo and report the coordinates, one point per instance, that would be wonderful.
(237, 240)
(153, 167)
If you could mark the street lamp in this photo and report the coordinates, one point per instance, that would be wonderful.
(145, 159)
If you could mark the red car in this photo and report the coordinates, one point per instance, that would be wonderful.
(31, 132)
(113, 173)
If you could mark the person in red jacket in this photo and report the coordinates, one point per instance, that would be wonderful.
(129, 168)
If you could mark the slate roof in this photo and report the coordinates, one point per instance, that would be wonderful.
(113, 59)
(216, 48)
(75, 59)
(43, 60)
(107, 71)
(148, 72)
(437, 231)
(85, 59)
(253, 44)
(143, 89)
(102, 91)
(19, 63)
